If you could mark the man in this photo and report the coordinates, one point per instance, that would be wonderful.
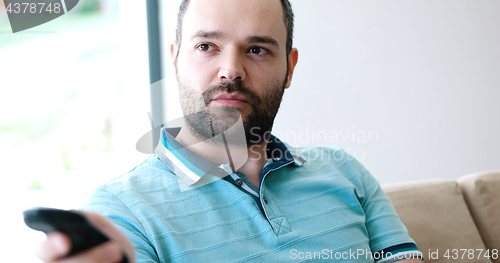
(211, 197)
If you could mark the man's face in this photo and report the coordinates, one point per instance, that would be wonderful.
(232, 61)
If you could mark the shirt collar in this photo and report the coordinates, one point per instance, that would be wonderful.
(278, 151)
(190, 167)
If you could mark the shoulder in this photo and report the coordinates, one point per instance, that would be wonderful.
(144, 179)
(328, 155)
(321, 153)
(334, 160)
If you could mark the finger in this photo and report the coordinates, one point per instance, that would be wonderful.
(56, 246)
(109, 252)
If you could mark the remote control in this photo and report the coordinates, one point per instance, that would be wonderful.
(80, 231)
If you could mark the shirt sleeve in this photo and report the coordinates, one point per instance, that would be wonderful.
(110, 206)
(388, 235)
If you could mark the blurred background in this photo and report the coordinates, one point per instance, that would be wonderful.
(74, 97)
(411, 88)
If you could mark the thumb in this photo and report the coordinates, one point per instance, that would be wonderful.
(57, 245)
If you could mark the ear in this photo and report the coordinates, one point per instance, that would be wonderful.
(174, 47)
(293, 58)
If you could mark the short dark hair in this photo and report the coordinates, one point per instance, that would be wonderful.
(288, 19)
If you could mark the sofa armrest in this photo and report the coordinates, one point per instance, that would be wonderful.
(482, 195)
(437, 218)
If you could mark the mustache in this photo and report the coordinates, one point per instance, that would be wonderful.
(230, 87)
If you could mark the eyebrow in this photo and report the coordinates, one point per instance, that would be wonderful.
(263, 39)
(218, 35)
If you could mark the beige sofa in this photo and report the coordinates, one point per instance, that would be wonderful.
(461, 217)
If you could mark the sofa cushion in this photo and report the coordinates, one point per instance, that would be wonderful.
(437, 218)
(482, 195)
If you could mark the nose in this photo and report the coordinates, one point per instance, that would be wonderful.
(231, 67)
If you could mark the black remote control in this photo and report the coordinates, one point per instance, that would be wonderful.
(80, 231)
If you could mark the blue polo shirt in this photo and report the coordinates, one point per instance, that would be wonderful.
(313, 203)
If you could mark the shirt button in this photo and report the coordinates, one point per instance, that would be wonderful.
(238, 182)
(265, 200)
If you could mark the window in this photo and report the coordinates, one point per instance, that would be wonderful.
(74, 97)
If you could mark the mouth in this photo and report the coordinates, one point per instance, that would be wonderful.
(230, 100)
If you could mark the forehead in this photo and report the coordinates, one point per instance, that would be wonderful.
(236, 18)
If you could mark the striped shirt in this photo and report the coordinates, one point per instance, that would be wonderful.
(313, 203)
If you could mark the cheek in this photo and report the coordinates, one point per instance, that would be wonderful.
(198, 74)
(262, 81)
(191, 99)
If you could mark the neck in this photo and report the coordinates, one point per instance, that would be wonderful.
(257, 158)
(248, 160)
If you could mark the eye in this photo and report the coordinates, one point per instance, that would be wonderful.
(258, 50)
(205, 47)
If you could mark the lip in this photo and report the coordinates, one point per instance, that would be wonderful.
(227, 96)
(232, 100)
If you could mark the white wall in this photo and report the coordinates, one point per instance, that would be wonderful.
(411, 88)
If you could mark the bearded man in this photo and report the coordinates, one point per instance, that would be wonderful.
(222, 188)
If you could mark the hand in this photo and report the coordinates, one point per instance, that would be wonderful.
(58, 245)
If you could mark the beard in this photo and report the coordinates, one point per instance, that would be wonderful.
(207, 122)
